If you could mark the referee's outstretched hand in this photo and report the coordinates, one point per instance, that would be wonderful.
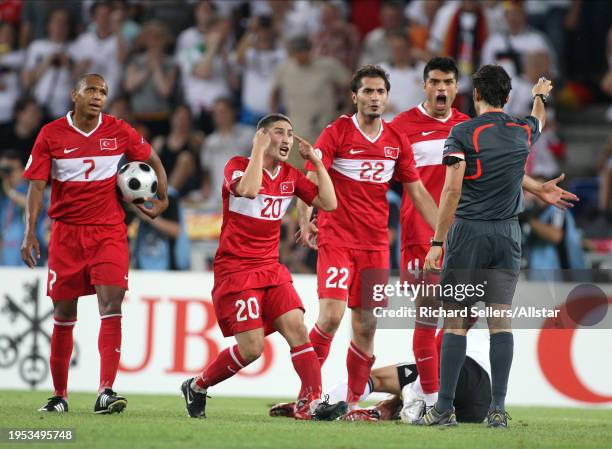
(551, 193)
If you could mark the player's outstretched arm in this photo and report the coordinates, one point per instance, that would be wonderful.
(326, 199)
(250, 183)
(34, 203)
(423, 201)
(550, 192)
(451, 193)
(159, 204)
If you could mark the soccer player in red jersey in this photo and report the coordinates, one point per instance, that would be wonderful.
(363, 154)
(88, 249)
(427, 126)
(253, 293)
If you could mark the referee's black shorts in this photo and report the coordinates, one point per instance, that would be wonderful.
(473, 393)
(482, 252)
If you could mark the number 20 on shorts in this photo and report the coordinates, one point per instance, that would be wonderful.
(249, 307)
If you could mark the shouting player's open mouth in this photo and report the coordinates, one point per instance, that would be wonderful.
(95, 106)
(441, 101)
(284, 151)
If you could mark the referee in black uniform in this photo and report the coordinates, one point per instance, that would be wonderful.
(485, 174)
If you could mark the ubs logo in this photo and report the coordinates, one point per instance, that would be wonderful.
(26, 337)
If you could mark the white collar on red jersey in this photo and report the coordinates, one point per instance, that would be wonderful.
(69, 118)
(356, 123)
(443, 120)
(273, 176)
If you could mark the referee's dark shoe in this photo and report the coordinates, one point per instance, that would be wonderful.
(435, 418)
(498, 418)
(55, 404)
(109, 402)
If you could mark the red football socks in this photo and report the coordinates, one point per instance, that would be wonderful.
(304, 359)
(109, 346)
(358, 364)
(61, 350)
(228, 362)
(426, 355)
(321, 342)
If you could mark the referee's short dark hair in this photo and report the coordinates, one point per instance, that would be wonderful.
(443, 64)
(369, 71)
(493, 84)
(269, 119)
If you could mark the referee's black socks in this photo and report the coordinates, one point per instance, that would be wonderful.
(500, 355)
(452, 356)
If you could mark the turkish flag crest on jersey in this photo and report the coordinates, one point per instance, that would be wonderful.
(392, 152)
(287, 187)
(108, 144)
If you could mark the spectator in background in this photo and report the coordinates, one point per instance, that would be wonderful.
(102, 50)
(150, 78)
(162, 243)
(47, 70)
(21, 135)
(552, 240)
(258, 54)
(309, 88)
(604, 168)
(375, 44)
(177, 150)
(459, 31)
(203, 12)
(405, 73)
(548, 151)
(508, 49)
(421, 15)
(205, 73)
(12, 206)
(121, 21)
(229, 139)
(11, 62)
(606, 82)
(293, 18)
(337, 38)
(35, 17)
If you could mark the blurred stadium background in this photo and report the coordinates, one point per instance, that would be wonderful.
(194, 77)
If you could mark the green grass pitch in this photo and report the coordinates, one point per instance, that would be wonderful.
(161, 422)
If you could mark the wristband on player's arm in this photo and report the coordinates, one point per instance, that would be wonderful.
(542, 96)
(436, 243)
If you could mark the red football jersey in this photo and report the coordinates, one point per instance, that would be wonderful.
(427, 136)
(250, 233)
(361, 169)
(83, 168)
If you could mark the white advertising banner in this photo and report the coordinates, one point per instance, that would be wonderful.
(170, 333)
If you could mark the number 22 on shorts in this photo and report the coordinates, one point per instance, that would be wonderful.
(337, 278)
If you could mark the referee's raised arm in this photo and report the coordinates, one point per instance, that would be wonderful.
(540, 93)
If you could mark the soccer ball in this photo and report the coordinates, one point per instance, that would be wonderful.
(137, 181)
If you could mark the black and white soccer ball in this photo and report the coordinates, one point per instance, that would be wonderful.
(137, 182)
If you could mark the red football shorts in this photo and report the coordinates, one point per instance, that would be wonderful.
(81, 256)
(252, 308)
(413, 257)
(339, 273)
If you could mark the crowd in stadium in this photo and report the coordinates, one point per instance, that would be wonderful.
(194, 77)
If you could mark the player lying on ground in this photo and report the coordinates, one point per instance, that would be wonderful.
(88, 249)
(407, 400)
(253, 293)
